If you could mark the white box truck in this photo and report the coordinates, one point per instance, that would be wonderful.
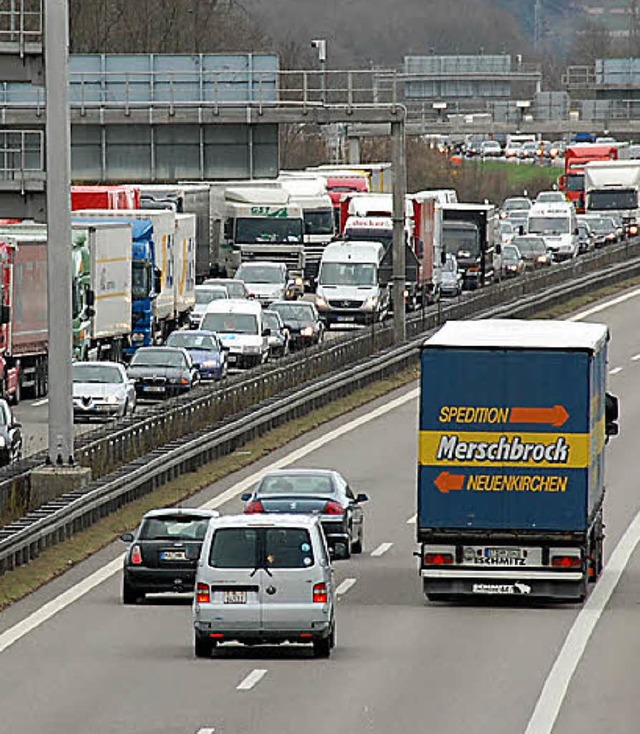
(613, 188)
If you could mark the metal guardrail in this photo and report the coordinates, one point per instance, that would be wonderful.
(23, 540)
(21, 24)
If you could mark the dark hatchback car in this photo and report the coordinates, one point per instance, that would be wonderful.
(319, 492)
(208, 354)
(162, 372)
(164, 552)
(10, 435)
(303, 322)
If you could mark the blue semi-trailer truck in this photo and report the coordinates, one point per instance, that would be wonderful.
(514, 419)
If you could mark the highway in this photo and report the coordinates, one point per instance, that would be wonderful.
(400, 665)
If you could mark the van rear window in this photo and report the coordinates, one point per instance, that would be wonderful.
(261, 548)
(234, 548)
(288, 548)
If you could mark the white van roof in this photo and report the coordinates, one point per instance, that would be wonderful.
(234, 305)
(354, 251)
(265, 521)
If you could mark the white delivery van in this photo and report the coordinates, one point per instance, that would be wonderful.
(556, 223)
(349, 288)
(241, 330)
(264, 579)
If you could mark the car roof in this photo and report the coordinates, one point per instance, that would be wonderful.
(302, 472)
(291, 303)
(160, 349)
(198, 332)
(266, 520)
(95, 362)
(173, 511)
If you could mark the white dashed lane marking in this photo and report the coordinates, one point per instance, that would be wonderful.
(381, 549)
(345, 586)
(254, 677)
(615, 370)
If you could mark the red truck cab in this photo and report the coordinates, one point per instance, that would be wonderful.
(571, 182)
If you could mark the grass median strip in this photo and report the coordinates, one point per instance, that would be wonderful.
(56, 560)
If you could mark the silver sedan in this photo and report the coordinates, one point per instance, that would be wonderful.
(102, 390)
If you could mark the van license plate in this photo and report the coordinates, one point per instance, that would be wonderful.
(235, 597)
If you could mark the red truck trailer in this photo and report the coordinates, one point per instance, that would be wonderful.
(105, 197)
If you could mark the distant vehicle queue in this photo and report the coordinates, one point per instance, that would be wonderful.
(155, 265)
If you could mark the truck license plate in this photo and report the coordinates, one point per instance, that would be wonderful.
(505, 553)
(235, 597)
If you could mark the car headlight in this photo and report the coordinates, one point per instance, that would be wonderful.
(371, 302)
(307, 331)
(113, 399)
(251, 349)
(137, 337)
(299, 282)
(211, 363)
(3, 442)
(321, 302)
(633, 229)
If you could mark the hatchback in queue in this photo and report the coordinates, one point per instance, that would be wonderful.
(206, 350)
(162, 372)
(321, 492)
(303, 322)
(164, 552)
(102, 390)
(264, 580)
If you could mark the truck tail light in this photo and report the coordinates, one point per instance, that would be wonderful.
(203, 593)
(253, 508)
(566, 561)
(320, 595)
(136, 555)
(438, 559)
(333, 508)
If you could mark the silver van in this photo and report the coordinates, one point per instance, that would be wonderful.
(264, 580)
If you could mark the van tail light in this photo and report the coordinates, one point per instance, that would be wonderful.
(320, 595)
(203, 593)
(253, 508)
(136, 555)
(333, 508)
(566, 561)
(438, 559)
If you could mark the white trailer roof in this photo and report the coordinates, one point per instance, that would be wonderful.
(520, 334)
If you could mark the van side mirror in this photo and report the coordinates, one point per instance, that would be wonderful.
(157, 280)
(266, 331)
(362, 498)
(611, 415)
(498, 249)
(520, 230)
(127, 537)
(245, 496)
(90, 297)
(443, 257)
(5, 314)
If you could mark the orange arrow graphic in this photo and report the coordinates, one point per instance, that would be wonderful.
(556, 416)
(446, 482)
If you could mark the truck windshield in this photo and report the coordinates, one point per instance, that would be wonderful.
(575, 182)
(619, 199)
(319, 221)
(230, 323)
(256, 230)
(348, 274)
(140, 279)
(460, 239)
(370, 235)
(549, 225)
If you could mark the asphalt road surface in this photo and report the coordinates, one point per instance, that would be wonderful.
(400, 665)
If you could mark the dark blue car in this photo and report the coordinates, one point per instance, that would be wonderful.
(206, 351)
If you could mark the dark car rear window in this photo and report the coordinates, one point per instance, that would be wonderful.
(182, 527)
(261, 547)
(303, 484)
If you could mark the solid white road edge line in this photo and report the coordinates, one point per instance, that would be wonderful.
(615, 370)
(38, 403)
(48, 610)
(606, 304)
(344, 586)
(254, 677)
(557, 683)
(381, 549)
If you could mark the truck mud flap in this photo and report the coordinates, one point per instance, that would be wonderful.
(543, 589)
